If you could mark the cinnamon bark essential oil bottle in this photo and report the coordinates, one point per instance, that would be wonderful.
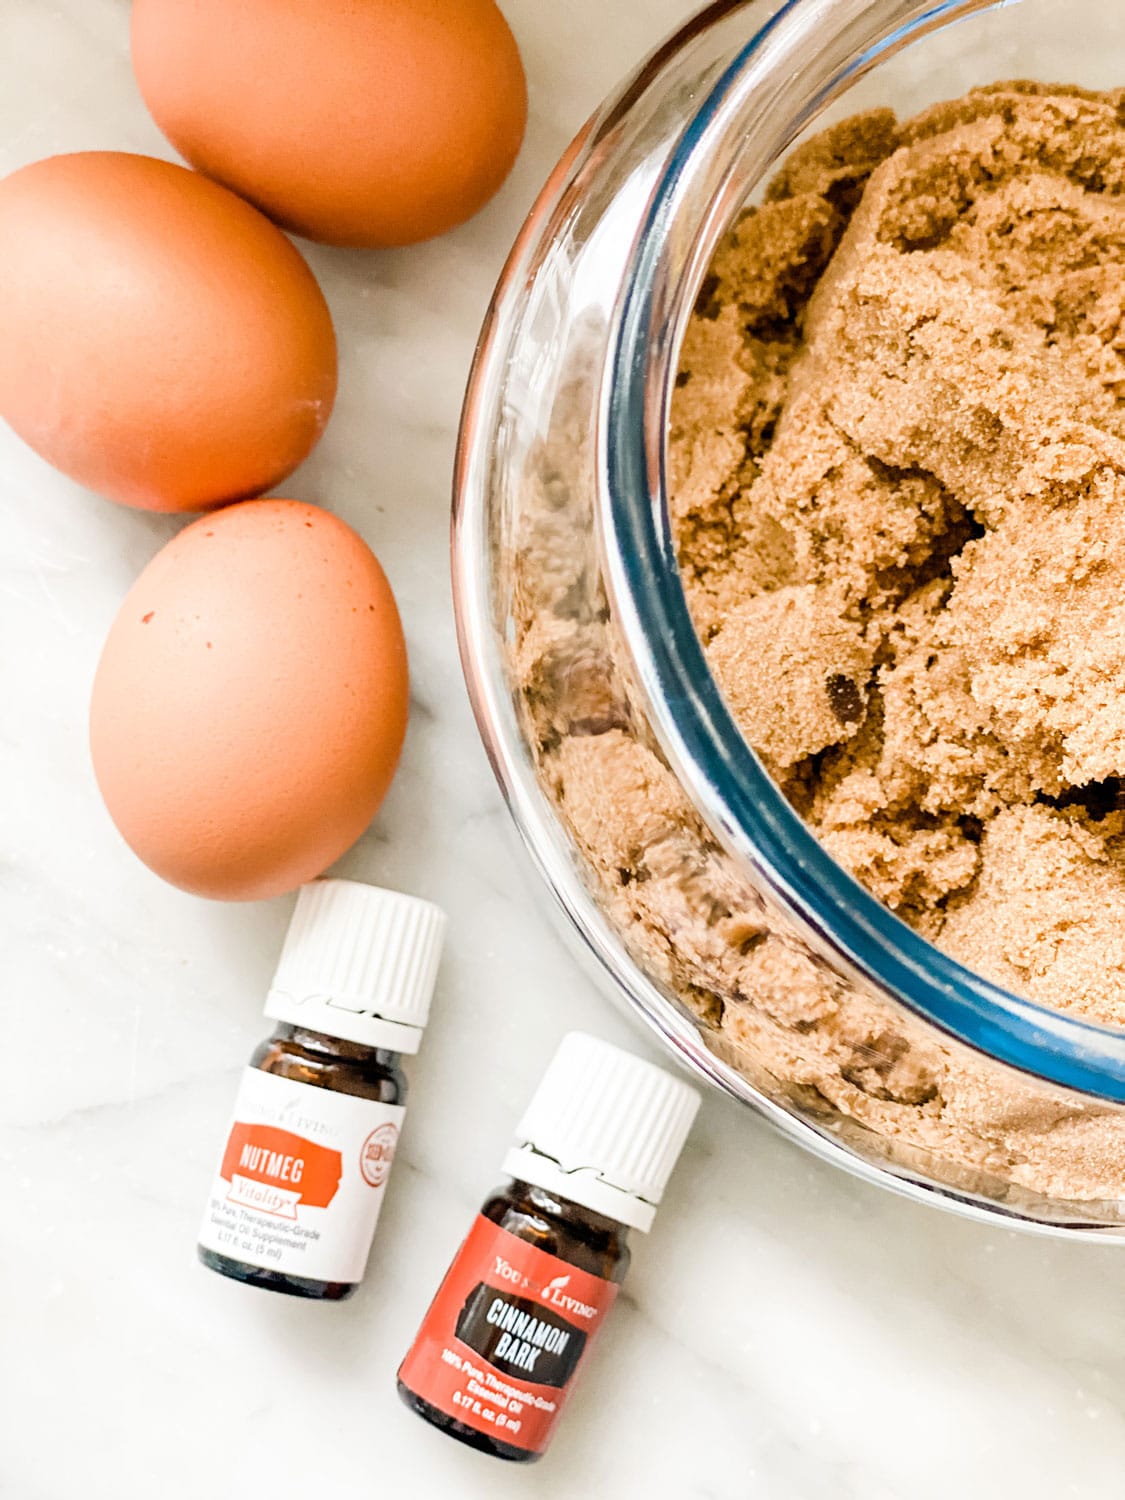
(511, 1324)
(295, 1200)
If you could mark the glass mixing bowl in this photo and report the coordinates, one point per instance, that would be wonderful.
(718, 916)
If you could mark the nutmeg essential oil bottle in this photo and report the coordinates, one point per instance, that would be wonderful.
(295, 1200)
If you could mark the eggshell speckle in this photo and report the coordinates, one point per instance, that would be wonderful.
(251, 701)
(379, 123)
(160, 340)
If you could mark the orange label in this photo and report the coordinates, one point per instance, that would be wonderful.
(301, 1179)
(280, 1159)
(505, 1337)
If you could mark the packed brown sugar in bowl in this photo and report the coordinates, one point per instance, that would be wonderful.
(897, 461)
(898, 457)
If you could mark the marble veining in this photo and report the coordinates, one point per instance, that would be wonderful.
(786, 1333)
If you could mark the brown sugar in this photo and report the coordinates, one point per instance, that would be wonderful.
(918, 614)
(897, 465)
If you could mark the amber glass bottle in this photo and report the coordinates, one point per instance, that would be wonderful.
(526, 1293)
(571, 1236)
(294, 1203)
(315, 1060)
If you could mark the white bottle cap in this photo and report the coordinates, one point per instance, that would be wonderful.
(604, 1129)
(359, 963)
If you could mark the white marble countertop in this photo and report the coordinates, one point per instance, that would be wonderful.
(785, 1333)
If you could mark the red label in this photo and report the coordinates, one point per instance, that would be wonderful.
(280, 1159)
(505, 1336)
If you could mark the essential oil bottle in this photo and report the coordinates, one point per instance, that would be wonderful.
(297, 1194)
(528, 1290)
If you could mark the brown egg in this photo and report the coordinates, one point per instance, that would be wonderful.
(379, 123)
(160, 340)
(251, 700)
